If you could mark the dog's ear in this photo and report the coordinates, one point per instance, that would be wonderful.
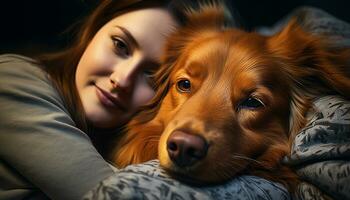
(311, 58)
(313, 66)
(208, 15)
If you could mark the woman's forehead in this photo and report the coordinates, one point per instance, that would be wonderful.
(158, 21)
(149, 27)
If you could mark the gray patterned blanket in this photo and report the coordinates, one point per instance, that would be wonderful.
(320, 152)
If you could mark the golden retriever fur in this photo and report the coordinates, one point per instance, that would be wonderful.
(246, 95)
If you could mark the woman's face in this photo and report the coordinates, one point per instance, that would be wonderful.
(112, 76)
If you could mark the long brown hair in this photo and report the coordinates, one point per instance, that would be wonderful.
(61, 66)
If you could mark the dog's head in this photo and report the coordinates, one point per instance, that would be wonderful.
(233, 98)
(229, 100)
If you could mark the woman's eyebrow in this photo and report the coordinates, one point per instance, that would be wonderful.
(128, 35)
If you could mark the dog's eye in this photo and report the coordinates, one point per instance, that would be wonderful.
(183, 85)
(251, 103)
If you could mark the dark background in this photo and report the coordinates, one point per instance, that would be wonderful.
(32, 26)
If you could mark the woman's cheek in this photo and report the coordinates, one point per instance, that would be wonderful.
(143, 94)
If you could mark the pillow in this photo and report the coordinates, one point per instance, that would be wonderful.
(149, 181)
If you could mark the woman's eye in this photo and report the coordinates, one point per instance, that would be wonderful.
(149, 75)
(120, 47)
(183, 85)
(251, 103)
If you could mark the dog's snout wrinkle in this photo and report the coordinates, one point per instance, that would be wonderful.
(186, 149)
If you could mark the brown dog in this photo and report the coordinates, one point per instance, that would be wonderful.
(228, 101)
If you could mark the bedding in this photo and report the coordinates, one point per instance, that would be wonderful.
(320, 153)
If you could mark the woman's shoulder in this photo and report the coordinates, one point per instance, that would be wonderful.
(15, 64)
(23, 77)
(14, 57)
(21, 71)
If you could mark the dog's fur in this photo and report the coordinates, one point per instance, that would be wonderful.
(281, 75)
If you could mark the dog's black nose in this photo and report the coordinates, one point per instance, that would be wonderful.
(186, 149)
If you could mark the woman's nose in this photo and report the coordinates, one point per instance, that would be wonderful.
(123, 75)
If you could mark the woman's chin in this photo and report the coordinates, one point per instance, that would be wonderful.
(107, 121)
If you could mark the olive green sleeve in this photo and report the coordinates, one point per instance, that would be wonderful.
(40, 146)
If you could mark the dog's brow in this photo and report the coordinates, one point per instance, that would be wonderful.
(195, 69)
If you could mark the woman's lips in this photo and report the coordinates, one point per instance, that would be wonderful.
(109, 100)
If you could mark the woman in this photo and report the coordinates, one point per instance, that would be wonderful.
(50, 109)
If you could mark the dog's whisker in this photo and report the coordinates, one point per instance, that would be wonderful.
(153, 136)
(222, 173)
(236, 165)
(241, 157)
(152, 140)
(232, 166)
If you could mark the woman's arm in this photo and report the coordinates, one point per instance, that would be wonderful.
(40, 147)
